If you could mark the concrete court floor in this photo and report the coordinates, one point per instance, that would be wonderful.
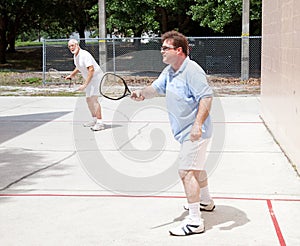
(62, 184)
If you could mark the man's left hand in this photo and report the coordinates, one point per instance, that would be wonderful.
(196, 132)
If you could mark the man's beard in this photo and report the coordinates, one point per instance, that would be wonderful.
(74, 52)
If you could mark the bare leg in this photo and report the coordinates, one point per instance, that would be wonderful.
(94, 106)
(193, 223)
(205, 197)
(191, 185)
(202, 178)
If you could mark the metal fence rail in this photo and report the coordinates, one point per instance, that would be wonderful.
(136, 56)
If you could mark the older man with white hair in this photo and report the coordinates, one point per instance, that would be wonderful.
(92, 74)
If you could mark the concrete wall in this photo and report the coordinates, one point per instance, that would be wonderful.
(281, 74)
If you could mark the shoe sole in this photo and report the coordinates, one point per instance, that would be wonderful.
(202, 209)
(208, 210)
(97, 129)
(189, 234)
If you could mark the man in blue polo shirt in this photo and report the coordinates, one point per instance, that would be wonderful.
(189, 99)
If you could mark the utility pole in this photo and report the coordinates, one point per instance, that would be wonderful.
(102, 34)
(245, 41)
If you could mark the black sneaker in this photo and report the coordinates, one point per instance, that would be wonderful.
(188, 227)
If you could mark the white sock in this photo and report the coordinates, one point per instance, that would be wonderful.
(205, 197)
(94, 119)
(99, 121)
(194, 211)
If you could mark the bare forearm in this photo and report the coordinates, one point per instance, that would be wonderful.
(74, 72)
(146, 93)
(89, 77)
(203, 110)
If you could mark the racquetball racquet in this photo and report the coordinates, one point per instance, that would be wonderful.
(57, 76)
(54, 74)
(113, 87)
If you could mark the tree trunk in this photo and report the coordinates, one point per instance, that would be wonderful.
(12, 42)
(3, 42)
(137, 42)
(184, 24)
(163, 19)
(82, 38)
(2, 53)
(12, 33)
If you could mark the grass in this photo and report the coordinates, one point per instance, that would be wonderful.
(24, 59)
(31, 81)
(28, 43)
(23, 69)
(20, 79)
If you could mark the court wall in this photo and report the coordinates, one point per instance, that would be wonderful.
(280, 90)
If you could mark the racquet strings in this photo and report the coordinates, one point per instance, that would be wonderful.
(54, 74)
(112, 86)
(57, 77)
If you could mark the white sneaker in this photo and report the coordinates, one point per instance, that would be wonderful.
(90, 123)
(98, 127)
(188, 227)
(203, 207)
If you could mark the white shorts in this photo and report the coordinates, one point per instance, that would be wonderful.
(92, 88)
(192, 155)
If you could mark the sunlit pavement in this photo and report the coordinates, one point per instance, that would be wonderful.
(62, 184)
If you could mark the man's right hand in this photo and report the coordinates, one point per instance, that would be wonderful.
(69, 77)
(137, 95)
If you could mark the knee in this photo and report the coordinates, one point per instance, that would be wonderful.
(88, 100)
(185, 174)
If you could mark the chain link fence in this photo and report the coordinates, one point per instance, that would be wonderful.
(220, 56)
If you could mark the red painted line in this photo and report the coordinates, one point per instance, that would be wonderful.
(125, 121)
(140, 196)
(86, 195)
(275, 223)
(258, 199)
(269, 203)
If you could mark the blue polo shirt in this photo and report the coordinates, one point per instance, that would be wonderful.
(184, 89)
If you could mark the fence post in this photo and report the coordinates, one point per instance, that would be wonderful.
(44, 62)
(102, 34)
(245, 41)
(114, 55)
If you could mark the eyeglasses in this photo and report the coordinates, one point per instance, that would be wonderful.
(166, 48)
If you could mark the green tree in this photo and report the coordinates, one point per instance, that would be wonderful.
(131, 16)
(15, 16)
(52, 17)
(225, 16)
(72, 15)
(191, 17)
(58, 18)
(174, 15)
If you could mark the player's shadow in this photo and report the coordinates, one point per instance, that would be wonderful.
(225, 217)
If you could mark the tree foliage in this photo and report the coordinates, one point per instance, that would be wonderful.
(59, 18)
(131, 16)
(15, 17)
(191, 17)
(52, 18)
(70, 15)
(220, 15)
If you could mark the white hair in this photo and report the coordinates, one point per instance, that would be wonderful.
(73, 41)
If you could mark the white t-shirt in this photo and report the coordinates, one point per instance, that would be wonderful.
(84, 60)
